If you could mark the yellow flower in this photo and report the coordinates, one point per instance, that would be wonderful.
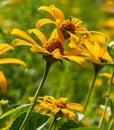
(58, 107)
(53, 47)
(72, 25)
(99, 113)
(96, 52)
(108, 6)
(4, 48)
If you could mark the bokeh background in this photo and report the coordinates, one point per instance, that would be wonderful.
(66, 79)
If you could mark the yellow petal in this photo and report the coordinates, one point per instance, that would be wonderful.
(39, 49)
(12, 61)
(42, 22)
(39, 35)
(78, 59)
(5, 47)
(75, 106)
(3, 82)
(18, 42)
(24, 35)
(55, 12)
(57, 54)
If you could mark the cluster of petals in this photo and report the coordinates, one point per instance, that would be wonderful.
(58, 107)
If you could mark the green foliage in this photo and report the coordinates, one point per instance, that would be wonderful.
(86, 128)
(36, 120)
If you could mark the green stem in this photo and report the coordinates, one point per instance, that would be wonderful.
(52, 124)
(111, 124)
(107, 100)
(90, 90)
(48, 65)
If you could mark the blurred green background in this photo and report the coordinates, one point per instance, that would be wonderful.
(66, 79)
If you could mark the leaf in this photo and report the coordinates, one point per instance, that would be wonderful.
(69, 124)
(83, 128)
(35, 121)
(108, 64)
(13, 110)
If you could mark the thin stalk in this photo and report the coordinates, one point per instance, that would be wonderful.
(111, 124)
(107, 100)
(48, 65)
(52, 124)
(90, 90)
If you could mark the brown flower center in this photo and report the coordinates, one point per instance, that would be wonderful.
(53, 44)
(60, 104)
(68, 26)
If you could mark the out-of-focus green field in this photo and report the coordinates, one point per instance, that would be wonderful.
(66, 79)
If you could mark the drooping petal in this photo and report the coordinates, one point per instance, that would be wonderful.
(18, 42)
(24, 35)
(78, 59)
(67, 114)
(5, 47)
(12, 61)
(55, 12)
(3, 82)
(42, 22)
(39, 49)
(54, 111)
(39, 35)
(75, 106)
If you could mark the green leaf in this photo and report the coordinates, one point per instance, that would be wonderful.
(108, 64)
(36, 120)
(69, 124)
(15, 109)
(83, 128)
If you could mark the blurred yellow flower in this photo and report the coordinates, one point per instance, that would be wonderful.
(58, 107)
(108, 6)
(53, 47)
(99, 113)
(4, 48)
(72, 25)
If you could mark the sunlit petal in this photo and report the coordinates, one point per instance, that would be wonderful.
(3, 82)
(12, 60)
(18, 42)
(55, 12)
(42, 22)
(24, 35)
(39, 49)
(75, 106)
(78, 59)
(5, 47)
(39, 35)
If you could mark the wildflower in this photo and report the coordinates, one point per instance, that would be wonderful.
(96, 52)
(53, 47)
(58, 107)
(72, 25)
(4, 48)
(107, 114)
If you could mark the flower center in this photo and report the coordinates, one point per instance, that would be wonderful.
(60, 104)
(53, 44)
(68, 26)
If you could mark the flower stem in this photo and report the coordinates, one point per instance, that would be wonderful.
(90, 90)
(111, 124)
(52, 124)
(107, 100)
(48, 65)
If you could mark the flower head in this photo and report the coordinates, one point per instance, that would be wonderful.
(58, 107)
(53, 47)
(4, 48)
(96, 52)
(72, 25)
